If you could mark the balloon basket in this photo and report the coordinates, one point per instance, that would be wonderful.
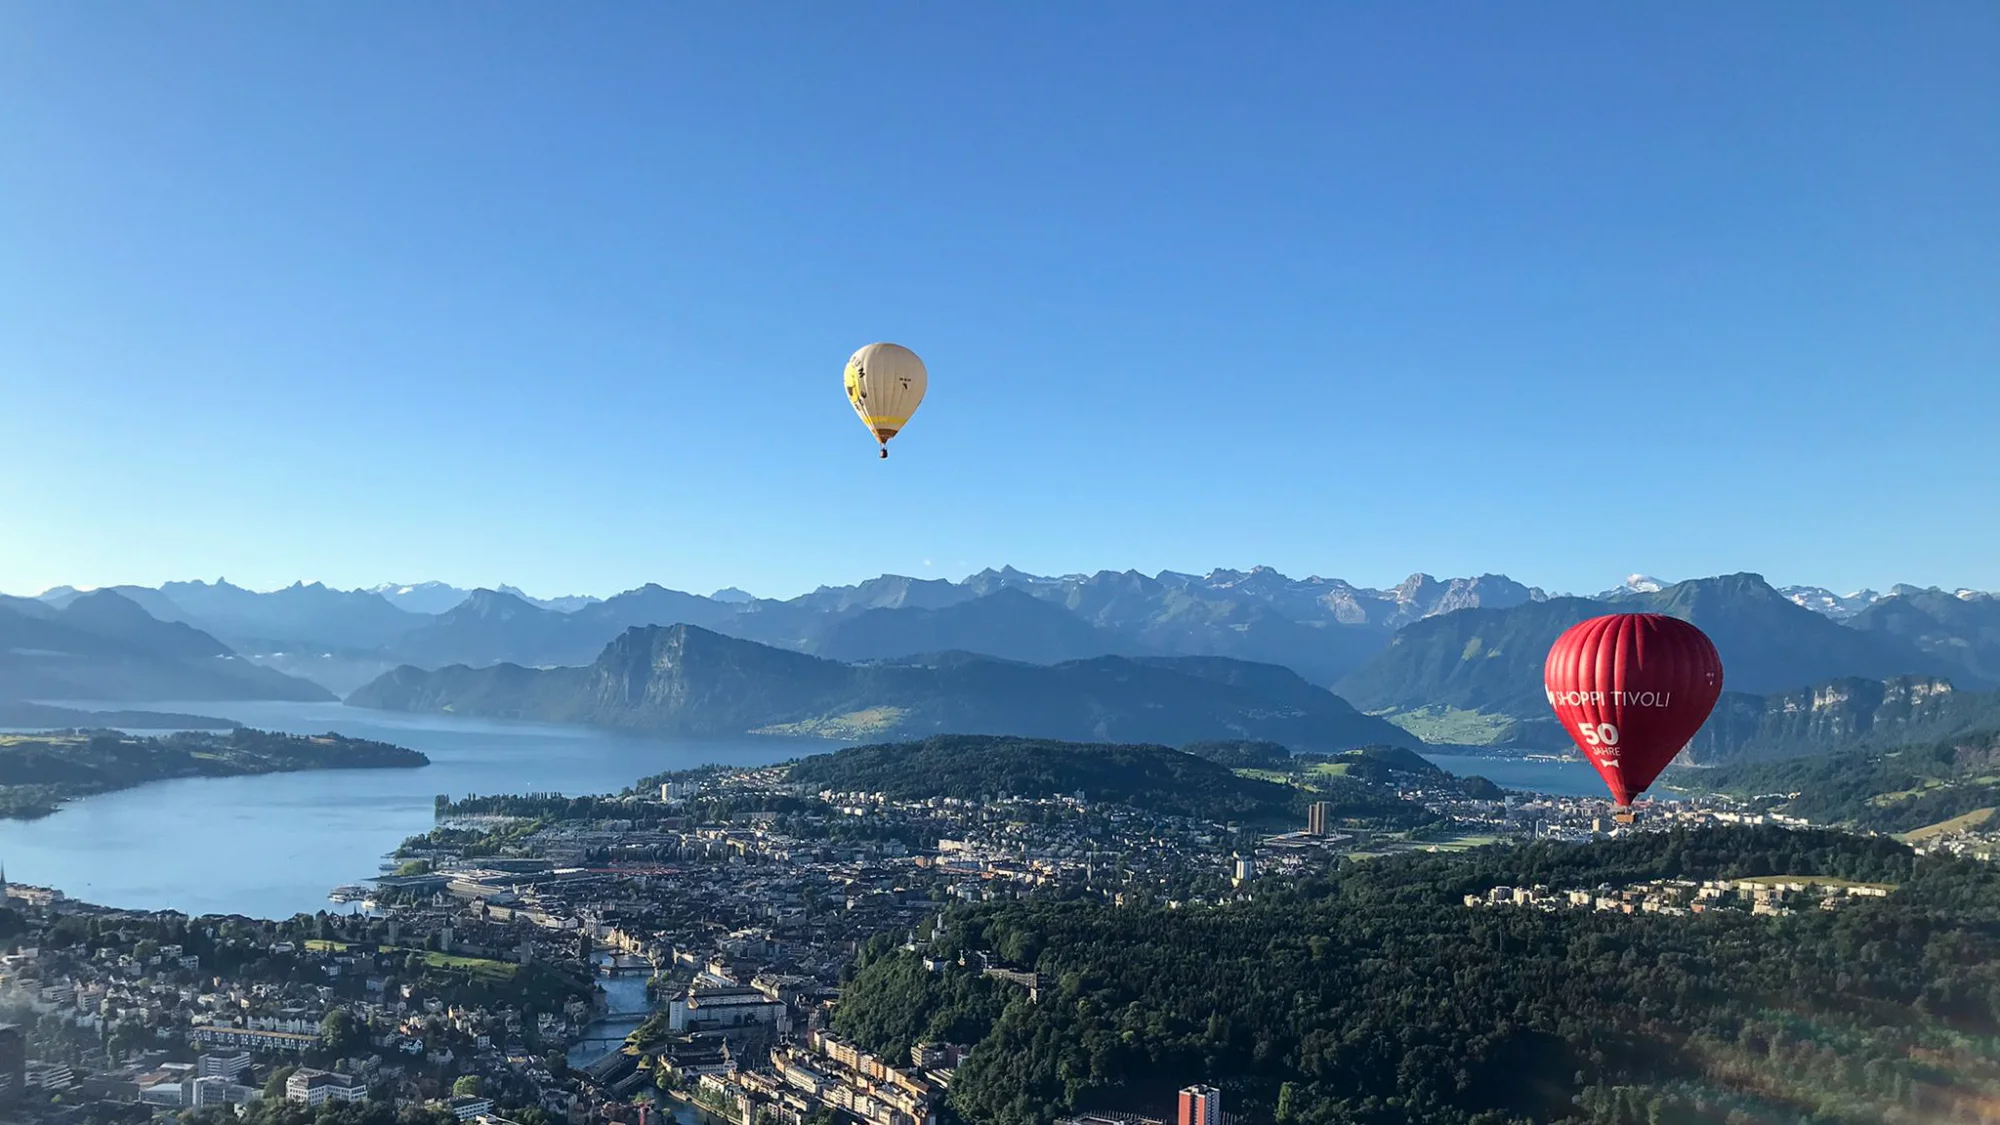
(1624, 816)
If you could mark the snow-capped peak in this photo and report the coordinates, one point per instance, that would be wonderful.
(1820, 600)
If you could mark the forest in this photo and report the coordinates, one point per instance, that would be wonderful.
(1374, 995)
(1154, 778)
(1897, 790)
(40, 771)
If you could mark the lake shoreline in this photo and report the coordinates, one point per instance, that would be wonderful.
(39, 772)
(272, 845)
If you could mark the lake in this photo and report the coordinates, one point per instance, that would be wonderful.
(273, 845)
(1565, 777)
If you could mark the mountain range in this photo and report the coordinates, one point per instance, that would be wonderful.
(104, 645)
(686, 680)
(1475, 676)
(1454, 661)
(1318, 626)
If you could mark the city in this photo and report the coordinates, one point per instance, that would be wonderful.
(739, 897)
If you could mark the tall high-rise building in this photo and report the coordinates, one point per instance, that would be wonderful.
(13, 1065)
(1316, 817)
(1201, 1105)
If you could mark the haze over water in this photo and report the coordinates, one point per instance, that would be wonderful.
(273, 845)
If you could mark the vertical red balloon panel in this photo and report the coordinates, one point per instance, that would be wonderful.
(1632, 689)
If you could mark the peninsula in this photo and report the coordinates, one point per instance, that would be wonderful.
(38, 772)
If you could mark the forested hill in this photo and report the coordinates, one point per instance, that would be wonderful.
(970, 767)
(42, 716)
(689, 681)
(1376, 996)
(1904, 789)
(39, 771)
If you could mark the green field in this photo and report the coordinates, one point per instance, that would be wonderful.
(43, 739)
(1303, 780)
(1964, 823)
(1266, 775)
(1449, 724)
(854, 724)
(475, 966)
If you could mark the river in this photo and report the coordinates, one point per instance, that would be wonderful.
(625, 1008)
(273, 845)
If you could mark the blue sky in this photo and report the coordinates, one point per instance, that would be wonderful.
(559, 295)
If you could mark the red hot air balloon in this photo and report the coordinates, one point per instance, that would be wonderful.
(1632, 689)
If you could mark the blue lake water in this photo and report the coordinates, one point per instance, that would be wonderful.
(274, 845)
(1565, 777)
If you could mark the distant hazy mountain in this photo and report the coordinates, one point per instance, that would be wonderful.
(686, 680)
(433, 598)
(1962, 627)
(653, 604)
(1326, 629)
(156, 604)
(890, 591)
(568, 603)
(1009, 623)
(1840, 715)
(1820, 600)
(1840, 607)
(308, 614)
(1845, 607)
(1321, 628)
(1312, 600)
(1635, 585)
(304, 612)
(104, 646)
(428, 598)
(490, 627)
(1490, 661)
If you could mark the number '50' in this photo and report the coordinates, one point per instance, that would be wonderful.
(1602, 734)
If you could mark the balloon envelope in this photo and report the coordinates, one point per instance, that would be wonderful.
(1632, 689)
(885, 383)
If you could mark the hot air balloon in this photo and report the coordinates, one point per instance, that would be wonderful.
(1632, 689)
(885, 383)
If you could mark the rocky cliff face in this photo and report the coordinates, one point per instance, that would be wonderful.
(1838, 714)
(681, 679)
(685, 680)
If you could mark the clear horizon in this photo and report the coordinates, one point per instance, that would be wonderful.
(1776, 581)
(560, 298)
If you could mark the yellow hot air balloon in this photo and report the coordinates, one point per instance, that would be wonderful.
(885, 382)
